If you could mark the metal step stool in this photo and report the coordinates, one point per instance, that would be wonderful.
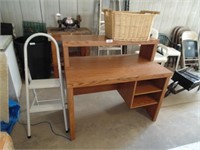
(39, 105)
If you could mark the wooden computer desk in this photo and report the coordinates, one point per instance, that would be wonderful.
(56, 33)
(140, 81)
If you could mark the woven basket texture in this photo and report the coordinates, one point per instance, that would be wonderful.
(128, 26)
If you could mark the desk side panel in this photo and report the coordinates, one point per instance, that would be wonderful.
(148, 51)
(126, 91)
(153, 110)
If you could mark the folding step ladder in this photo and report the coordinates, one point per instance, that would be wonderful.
(39, 105)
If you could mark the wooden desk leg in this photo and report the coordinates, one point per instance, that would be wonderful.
(54, 60)
(71, 119)
(66, 56)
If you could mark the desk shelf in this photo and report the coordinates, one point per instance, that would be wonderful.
(145, 87)
(144, 92)
(143, 100)
(148, 92)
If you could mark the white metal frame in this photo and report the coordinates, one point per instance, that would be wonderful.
(32, 84)
(159, 58)
(172, 52)
(168, 51)
(108, 49)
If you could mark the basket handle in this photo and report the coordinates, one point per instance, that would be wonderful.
(148, 11)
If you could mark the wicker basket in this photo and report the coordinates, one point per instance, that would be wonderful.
(128, 26)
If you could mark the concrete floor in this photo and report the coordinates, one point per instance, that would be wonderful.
(103, 121)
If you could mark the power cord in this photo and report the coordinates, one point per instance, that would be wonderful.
(50, 125)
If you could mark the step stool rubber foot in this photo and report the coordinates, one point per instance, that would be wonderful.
(29, 137)
(67, 131)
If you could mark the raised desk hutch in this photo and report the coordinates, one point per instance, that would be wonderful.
(140, 81)
(56, 34)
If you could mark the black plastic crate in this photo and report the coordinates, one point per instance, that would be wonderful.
(186, 79)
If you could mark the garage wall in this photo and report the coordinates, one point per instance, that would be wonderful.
(172, 12)
(11, 13)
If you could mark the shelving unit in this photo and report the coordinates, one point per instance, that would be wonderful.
(144, 92)
(149, 93)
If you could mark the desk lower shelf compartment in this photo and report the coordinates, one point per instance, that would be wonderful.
(142, 93)
(149, 86)
(144, 100)
(147, 92)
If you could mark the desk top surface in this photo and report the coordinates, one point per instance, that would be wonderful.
(94, 70)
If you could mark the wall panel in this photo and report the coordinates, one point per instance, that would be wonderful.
(86, 10)
(193, 20)
(172, 13)
(31, 10)
(68, 8)
(11, 13)
(49, 9)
